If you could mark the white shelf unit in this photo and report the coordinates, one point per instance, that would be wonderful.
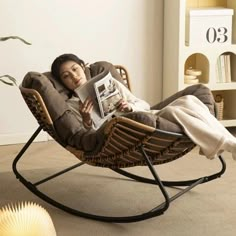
(178, 56)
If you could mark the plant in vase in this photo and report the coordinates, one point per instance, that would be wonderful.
(8, 79)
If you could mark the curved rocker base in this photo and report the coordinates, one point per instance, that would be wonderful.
(158, 210)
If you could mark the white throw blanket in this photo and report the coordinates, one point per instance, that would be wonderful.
(200, 125)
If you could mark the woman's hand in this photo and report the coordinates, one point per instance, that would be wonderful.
(85, 110)
(123, 106)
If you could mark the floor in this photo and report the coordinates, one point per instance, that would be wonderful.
(208, 209)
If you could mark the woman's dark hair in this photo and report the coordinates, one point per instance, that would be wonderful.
(55, 68)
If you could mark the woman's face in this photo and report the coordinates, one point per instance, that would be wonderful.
(72, 75)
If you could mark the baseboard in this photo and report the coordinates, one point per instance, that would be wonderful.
(7, 139)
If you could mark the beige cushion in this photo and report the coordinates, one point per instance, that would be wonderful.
(202, 92)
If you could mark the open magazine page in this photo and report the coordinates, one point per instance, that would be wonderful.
(108, 95)
(87, 90)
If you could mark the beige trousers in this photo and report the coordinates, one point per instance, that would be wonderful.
(198, 124)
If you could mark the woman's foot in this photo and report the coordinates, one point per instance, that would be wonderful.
(230, 146)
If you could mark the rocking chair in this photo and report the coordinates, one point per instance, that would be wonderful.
(125, 143)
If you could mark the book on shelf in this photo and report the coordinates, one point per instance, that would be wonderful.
(218, 71)
(228, 68)
(104, 94)
(223, 69)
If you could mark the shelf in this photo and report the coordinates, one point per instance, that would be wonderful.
(223, 86)
(209, 49)
(178, 57)
(217, 87)
(228, 123)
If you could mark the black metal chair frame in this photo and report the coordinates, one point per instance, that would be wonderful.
(156, 211)
(149, 138)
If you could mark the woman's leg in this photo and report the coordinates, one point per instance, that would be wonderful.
(202, 127)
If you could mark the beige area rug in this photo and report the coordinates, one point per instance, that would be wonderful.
(208, 209)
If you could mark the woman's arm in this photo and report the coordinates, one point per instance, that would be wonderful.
(136, 104)
(77, 107)
(85, 110)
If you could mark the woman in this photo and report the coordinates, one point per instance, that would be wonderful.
(187, 111)
(69, 69)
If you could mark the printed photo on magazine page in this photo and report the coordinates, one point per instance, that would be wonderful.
(108, 95)
(104, 95)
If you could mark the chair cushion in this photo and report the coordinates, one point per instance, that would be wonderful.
(54, 102)
(142, 117)
(202, 92)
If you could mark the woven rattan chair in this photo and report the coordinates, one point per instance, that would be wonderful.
(127, 143)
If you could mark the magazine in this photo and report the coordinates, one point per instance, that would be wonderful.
(104, 94)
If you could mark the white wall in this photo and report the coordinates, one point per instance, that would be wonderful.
(127, 32)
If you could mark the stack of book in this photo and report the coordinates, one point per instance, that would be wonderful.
(223, 69)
